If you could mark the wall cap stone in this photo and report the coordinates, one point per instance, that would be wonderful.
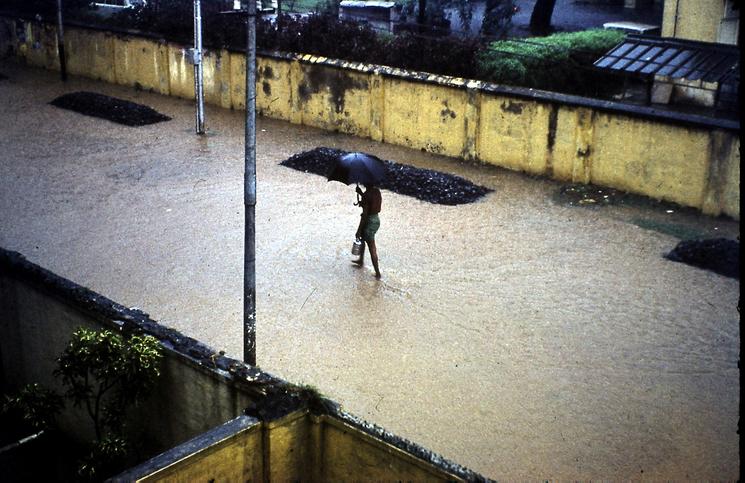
(199, 443)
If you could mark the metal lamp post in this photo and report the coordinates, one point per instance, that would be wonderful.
(249, 181)
(61, 43)
(249, 187)
(198, 70)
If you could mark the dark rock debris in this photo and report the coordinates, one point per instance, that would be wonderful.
(109, 108)
(423, 184)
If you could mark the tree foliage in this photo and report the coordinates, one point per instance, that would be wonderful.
(35, 405)
(107, 373)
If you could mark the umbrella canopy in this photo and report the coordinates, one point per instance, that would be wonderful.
(358, 168)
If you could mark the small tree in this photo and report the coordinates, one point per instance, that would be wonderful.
(108, 373)
(105, 372)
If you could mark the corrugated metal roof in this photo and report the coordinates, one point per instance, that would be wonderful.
(680, 59)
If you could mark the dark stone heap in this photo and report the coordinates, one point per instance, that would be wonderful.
(109, 108)
(422, 184)
(719, 255)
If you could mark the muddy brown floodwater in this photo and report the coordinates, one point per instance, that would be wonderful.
(518, 336)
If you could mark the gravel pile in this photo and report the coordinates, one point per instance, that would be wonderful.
(423, 184)
(719, 255)
(110, 108)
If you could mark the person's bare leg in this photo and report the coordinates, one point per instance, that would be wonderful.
(374, 257)
(362, 255)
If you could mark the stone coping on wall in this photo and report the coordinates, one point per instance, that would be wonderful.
(202, 442)
(273, 397)
(647, 112)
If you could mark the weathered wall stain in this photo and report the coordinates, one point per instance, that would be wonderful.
(337, 83)
(720, 152)
(553, 116)
(513, 107)
(445, 113)
(265, 74)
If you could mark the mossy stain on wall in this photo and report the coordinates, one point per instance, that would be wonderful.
(447, 112)
(265, 75)
(513, 107)
(335, 81)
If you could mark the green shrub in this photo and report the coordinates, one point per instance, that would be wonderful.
(107, 373)
(35, 405)
(560, 62)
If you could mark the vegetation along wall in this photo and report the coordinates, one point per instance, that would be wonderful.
(687, 159)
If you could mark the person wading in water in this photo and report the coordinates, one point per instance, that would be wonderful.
(369, 223)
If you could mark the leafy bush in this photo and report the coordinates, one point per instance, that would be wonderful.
(320, 34)
(35, 406)
(438, 55)
(560, 62)
(107, 373)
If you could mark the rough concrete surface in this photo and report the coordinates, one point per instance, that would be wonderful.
(519, 337)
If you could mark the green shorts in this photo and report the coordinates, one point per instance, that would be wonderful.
(373, 223)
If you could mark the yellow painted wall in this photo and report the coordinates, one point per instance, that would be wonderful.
(40, 48)
(692, 19)
(237, 458)
(274, 94)
(300, 447)
(674, 170)
(449, 116)
(90, 54)
(349, 454)
(513, 133)
(424, 116)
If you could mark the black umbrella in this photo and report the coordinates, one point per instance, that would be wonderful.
(357, 168)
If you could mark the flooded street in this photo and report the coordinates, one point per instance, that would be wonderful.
(517, 336)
